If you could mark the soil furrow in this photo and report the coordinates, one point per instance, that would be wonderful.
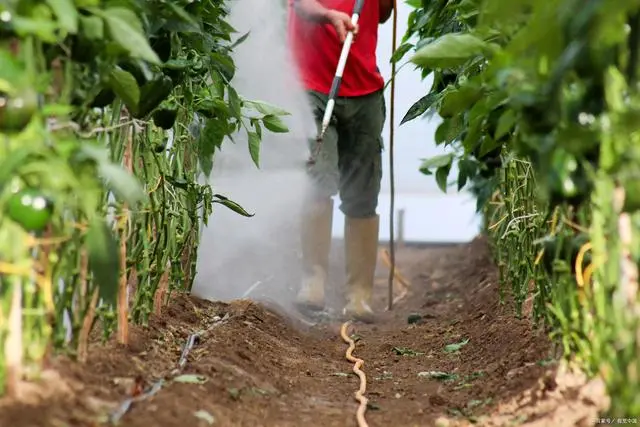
(449, 354)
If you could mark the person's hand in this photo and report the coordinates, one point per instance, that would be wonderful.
(342, 23)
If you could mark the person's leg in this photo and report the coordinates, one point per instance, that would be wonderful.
(317, 213)
(360, 149)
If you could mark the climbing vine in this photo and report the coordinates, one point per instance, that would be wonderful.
(539, 104)
(110, 113)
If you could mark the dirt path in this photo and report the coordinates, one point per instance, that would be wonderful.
(467, 359)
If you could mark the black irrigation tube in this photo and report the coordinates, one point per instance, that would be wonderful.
(192, 341)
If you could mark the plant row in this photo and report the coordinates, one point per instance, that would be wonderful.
(540, 118)
(110, 114)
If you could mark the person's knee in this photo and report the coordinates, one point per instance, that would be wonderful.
(322, 185)
(359, 207)
(360, 189)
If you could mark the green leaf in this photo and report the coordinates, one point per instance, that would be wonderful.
(46, 30)
(127, 15)
(211, 137)
(125, 86)
(400, 52)
(414, 3)
(231, 205)
(449, 51)
(487, 145)
(11, 72)
(190, 379)
(92, 27)
(450, 129)
(254, 147)
(192, 25)
(615, 88)
(467, 168)
(473, 135)
(458, 100)
(224, 65)
(12, 161)
(462, 178)
(104, 259)
(274, 124)
(442, 174)
(240, 40)
(506, 122)
(235, 104)
(437, 161)
(66, 13)
(56, 110)
(124, 185)
(265, 108)
(420, 107)
(126, 30)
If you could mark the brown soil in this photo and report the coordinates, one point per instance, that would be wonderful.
(253, 368)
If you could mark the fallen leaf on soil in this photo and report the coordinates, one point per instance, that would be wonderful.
(402, 351)
(438, 375)
(452, 348)
(205, 416)
(234, 393)
(190, 379)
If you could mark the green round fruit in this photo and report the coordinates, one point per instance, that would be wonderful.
(31, 209)
(16, 111)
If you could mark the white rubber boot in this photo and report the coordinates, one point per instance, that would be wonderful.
(316, 244)
(361, 250)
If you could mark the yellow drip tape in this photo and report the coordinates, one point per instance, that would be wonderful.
(386, 258)
(402, 284)
(358, 363)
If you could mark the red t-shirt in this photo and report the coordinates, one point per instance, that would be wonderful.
(316, 49)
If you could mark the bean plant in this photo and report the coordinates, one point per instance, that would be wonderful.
(110, 114)
(540, 112)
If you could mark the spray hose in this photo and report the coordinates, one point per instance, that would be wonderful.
(357, 364)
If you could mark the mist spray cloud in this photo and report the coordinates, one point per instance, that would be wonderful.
(259, 254)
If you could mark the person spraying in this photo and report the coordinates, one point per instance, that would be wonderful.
(347, 156)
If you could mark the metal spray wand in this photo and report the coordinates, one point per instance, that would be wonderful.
(337, 79)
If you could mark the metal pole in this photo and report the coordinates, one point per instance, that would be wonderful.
(392, 250)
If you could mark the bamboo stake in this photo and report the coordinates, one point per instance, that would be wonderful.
(14, 351)
(123, 294)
